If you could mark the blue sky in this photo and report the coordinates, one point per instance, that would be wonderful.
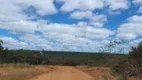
(70, 25)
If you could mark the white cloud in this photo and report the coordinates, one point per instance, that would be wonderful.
(19, 26)
(43, 7)
(84, 36)
(135, 19)
(131, 29)
(117, 4)
(97, 20)
(12, 43)
(36, 41)
(91, 46)
(70, 36)
(70, 5)
(29, 41)
(64, 31)
(66, 36)
(12, 10)
(81, 14)
(32, 38)
(13, 18)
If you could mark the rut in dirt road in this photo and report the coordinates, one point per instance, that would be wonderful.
(64, 73)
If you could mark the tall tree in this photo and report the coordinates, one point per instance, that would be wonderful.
(1, 48)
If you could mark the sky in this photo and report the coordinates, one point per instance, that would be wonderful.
(70, 25)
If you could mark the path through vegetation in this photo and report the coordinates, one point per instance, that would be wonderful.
(64, 73)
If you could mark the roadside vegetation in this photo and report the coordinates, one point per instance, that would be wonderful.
(131, 66)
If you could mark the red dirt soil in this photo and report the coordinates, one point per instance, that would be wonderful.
(64, 73)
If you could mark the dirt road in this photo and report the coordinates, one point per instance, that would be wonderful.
(64, 73)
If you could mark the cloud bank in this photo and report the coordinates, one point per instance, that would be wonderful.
(35, 28)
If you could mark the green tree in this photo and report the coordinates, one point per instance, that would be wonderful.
(1, 48)
(136, 52)
(1, 51)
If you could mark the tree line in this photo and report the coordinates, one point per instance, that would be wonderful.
(21, 56)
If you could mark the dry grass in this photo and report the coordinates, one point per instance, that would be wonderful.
(104, 73)
(99, 73)
(20, 72)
